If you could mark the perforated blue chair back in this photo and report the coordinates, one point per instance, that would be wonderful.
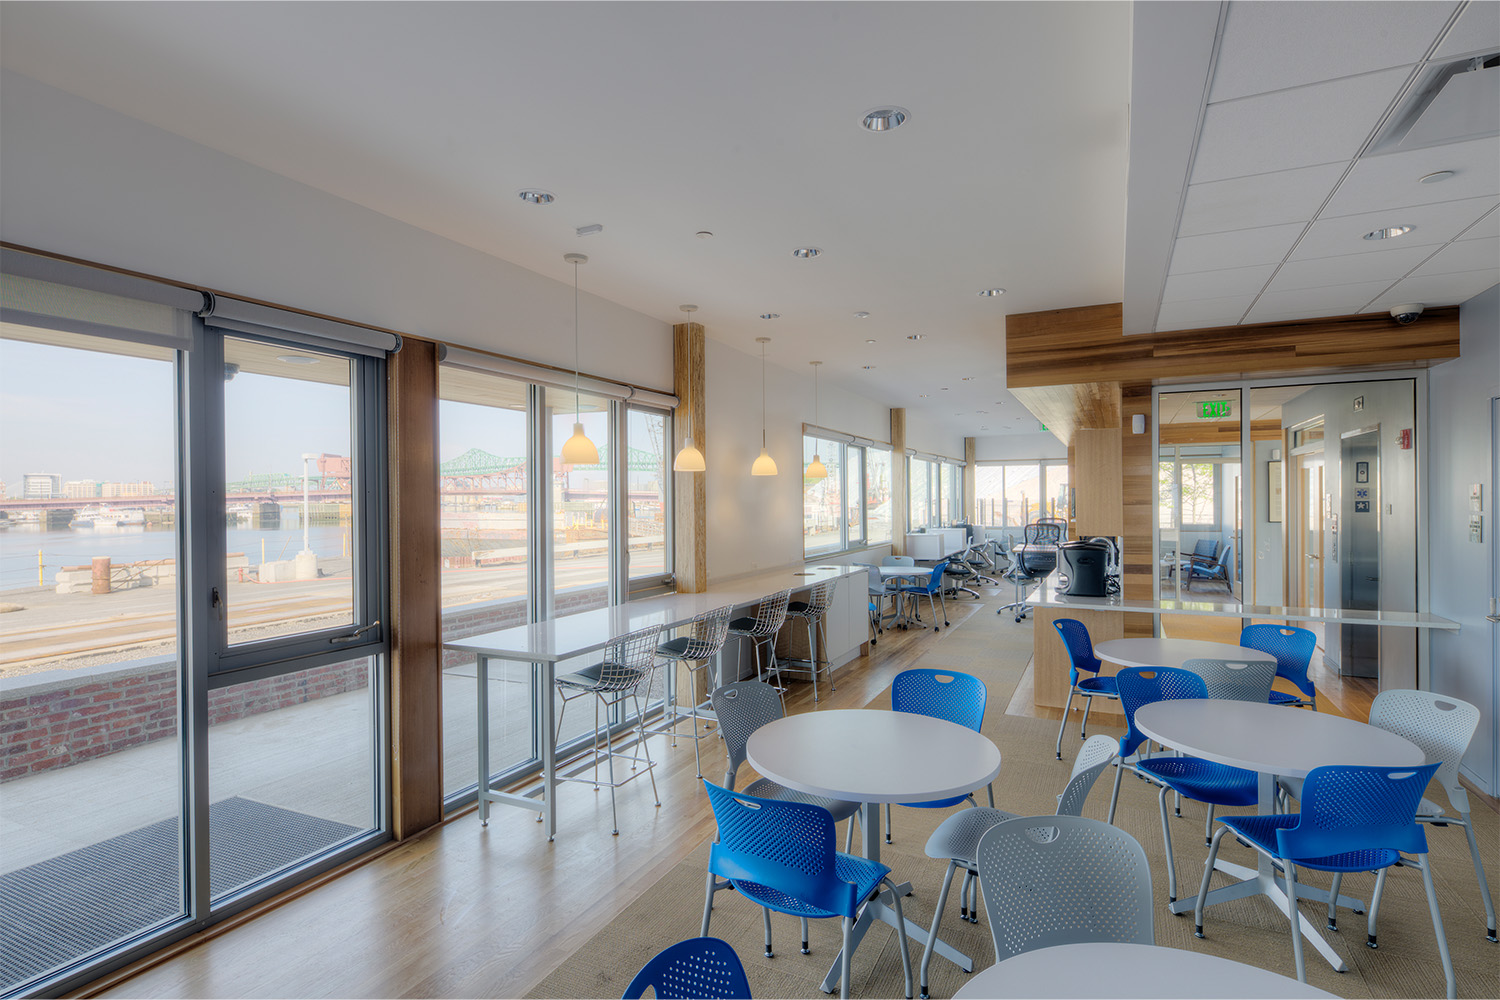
(696, 968)
(1292, 647)
(1362, 810)
(935, 582)
(782, 845)
(1144, 685)
(941, 694)
(1075, 636)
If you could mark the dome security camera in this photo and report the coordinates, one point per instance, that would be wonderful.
(1406, 313)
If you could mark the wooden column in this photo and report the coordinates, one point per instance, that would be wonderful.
(970, 472)
(899, 491)
(1137, 504)
(690, 500)
(416, 615)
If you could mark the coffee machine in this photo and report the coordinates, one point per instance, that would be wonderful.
(1087, 566)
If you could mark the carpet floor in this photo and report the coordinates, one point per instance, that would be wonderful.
(1252, 930)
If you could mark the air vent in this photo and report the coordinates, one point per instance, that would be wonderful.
(1453, 103)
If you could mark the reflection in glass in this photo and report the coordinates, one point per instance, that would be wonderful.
(289, 512)
(822, 503)
(647, 482)
(578, 549)
(878, 494)
(854, 475)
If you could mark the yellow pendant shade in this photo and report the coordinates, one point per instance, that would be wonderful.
(815, 469)
(689, 459)
(578, 449)
(765, 465)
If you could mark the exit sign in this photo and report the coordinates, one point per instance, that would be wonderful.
(1214, 409)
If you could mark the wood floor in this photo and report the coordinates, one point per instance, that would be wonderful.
(467, 911)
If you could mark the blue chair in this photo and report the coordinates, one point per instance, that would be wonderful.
(1293, 649)
(1219, 569)
(1200, 780)
(1353, 819)
(1083, 675)
(939, 694)
(933, 586)
(700, 967)
(780, 855)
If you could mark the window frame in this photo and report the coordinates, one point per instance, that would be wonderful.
(847, 542)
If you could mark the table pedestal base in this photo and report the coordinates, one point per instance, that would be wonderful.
(882, 908)
(1263, 880)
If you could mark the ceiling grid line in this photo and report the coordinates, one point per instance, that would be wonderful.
(1391, 109)
(1423, 263)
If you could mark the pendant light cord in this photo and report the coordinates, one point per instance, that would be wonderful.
(577, 406)
(763, 396)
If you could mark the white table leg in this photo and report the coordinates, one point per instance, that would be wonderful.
(545, 673)
(880, 908)
(482, 679)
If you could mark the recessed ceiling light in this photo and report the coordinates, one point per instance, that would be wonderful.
(968, 378)
(884, 119)
(924, 395)
(1388, 234)
(867, 367)
(992, 292)
(534, 196)
(945, 388)
(985, 427)
(861, 315)
(806, 253)
(704, 234)
(296, 359)
(981, 411)
(916, 336)
(770, 315)
(1433, 178)
(869, 341)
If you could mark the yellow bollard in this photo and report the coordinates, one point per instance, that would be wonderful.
(41, 580)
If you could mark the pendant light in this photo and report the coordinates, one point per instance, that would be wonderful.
(764, 465)
(578, 449)
(689, 459)
(815, 468)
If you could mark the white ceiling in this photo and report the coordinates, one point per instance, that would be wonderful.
(1285, 178)
(657, 120)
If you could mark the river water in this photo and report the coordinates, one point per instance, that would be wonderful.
(19, 545)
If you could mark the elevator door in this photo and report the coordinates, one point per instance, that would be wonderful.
(1360, 475)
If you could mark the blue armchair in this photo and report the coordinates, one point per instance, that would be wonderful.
(1218, 569)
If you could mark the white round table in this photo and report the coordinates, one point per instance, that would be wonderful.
(1274, 741)
(872, 756)
(1109, 969)
(1165, 652)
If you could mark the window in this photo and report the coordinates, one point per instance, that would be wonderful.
(920, 510)
(850, 507)
(877, 495)
(648, 497)
(578, 552)
(1014, 494)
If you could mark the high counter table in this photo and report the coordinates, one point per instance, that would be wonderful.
(544, 644)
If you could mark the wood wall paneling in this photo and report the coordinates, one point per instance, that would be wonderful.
(1095, 477)
(1215, 431)
(1064, 408)
(1137, 504)
(689, 497)
(416, 614)
(1087, 344)
(970, 510)
(899, 492)
(1050, 660)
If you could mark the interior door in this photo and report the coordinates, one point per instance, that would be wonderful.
(1306, 540)
(1360, 561)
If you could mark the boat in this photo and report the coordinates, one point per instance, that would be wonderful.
(108, 517)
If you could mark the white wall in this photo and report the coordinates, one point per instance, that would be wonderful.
(80, 180)
(1460, 453)
(755, 522)
(1005, 447)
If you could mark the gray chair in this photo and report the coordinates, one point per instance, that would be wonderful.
(1051, 880)
(898, 561)
(878, 591)
(957, 837)
(629, 661)
(761, 631)
(1235, 680)
(705, 637)
(1442, 727)
(812, 611)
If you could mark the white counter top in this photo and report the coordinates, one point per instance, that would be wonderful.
(1046, 595)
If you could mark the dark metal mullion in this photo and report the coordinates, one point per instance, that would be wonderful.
(370, 483)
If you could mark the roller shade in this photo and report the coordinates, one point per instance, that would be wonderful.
(298, 328)
(929, 457)
(823, 433)
(44, 293)
(477, 361)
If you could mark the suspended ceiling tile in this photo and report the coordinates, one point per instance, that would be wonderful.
(1268, 314)
(1300, 127)
(1330, 300)
(1385, 265)
(1202, 312)
(1431, 224)
(1272, 46)
(1241, 248)
(1436, 289)
(1483, 229)
(1217, 284)
(1465, 255)
(1477, 30)
(1258, 200)
(1393, 179)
